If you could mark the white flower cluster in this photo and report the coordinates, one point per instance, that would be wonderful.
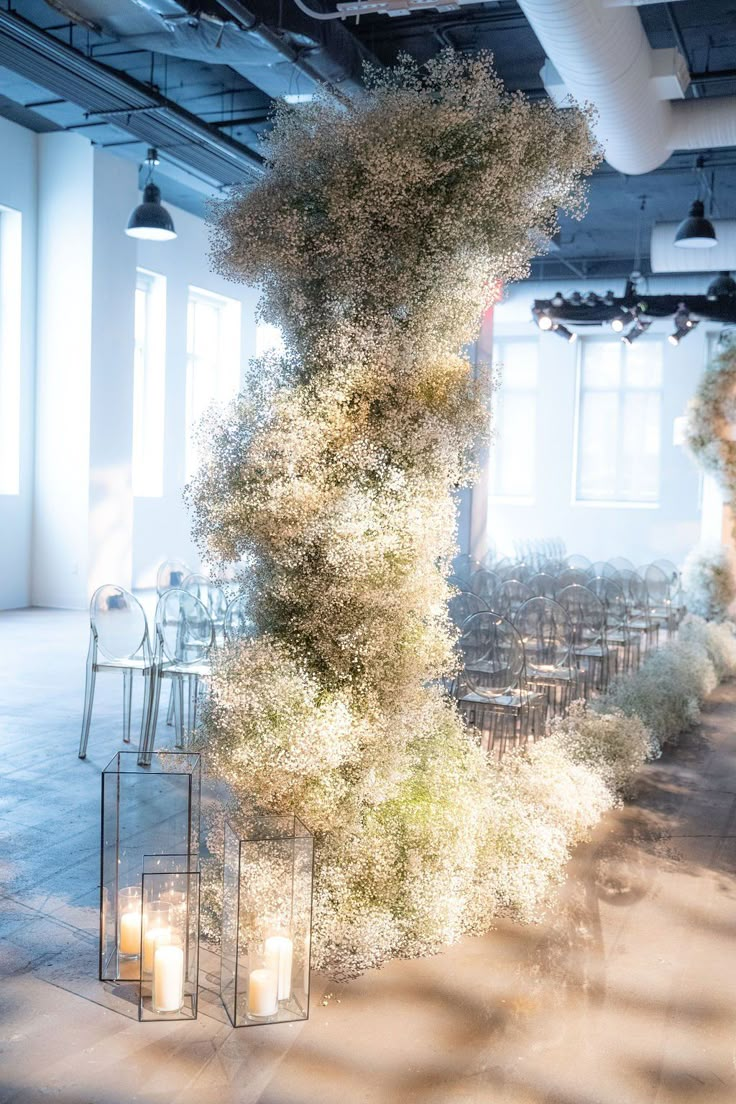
(711, 415)
(708, 582)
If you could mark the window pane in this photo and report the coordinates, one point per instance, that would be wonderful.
(213, 360)
(149, 385)
(619, 422)
(601, 364)
(597, 446)
(513, 454)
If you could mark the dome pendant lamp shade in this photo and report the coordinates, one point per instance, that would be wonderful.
(150, 219)
(696, 231)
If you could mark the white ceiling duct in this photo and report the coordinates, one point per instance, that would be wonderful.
(665, 256)
(603, 57)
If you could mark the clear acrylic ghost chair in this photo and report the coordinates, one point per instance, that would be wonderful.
(623, 641)
(601, 569)
(463, 605)
(184, 639)
(620, 563)
(118, 641)
(484, 584)
(640, 619)
(543, 585)
(659, 592)
(170, 575)
(576, 562)
(590, 646)
(464, 566)
(211, 596)
(547, 634)
(571, 576)
(238, 623)
(491, 690)
(509, 597)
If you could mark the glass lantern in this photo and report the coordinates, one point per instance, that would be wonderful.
(169, 938)
(146, 811)
(267, 921)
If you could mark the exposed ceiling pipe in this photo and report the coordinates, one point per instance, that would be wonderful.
(603, 57)
(133, 107)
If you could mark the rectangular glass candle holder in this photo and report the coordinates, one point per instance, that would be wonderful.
(267, 921)
(169, 938)
(146, 811)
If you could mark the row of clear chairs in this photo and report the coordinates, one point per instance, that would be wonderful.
(179, 650)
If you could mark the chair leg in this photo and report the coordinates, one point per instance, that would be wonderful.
(170, 712)
(193, 696)
(127, 702)
(150, 716)
(147, 688)
(178, 686)
(89, 697)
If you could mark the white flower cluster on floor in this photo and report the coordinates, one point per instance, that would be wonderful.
(378, 236)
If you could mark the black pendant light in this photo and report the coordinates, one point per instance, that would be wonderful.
(150, 220)
(696, 231)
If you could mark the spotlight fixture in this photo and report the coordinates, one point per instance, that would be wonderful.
(557, 299)
(683, 325)
(636, 330)
(575, 299)
(562, 331)
(543, 319)
(619, 320)
(150, 220)
(724, 284)
(696, 231)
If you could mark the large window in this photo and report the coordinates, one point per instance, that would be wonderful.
(513, 452)
(10, 367)
(149, 384)
(619, 416)
(213, 359)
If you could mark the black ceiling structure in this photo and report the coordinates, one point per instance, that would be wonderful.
(198, 80)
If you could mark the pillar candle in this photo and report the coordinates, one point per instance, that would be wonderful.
(130, 933)
(168, 978)
(153, 938)
(263, 992)
(279, 950)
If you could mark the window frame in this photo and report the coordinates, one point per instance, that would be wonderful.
(612, 503)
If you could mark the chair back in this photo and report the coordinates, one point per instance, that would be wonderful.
(543, 585)
(464, 566)
(171, 574)
(576, 562)
(209, 594)
(658, 585)
(571, 576)
(492, 655)
(586, 612)
(546, 632)
(119, 623)
(611, 594)
(184, 629)
(484, 584)
(509, 597)
(238, 623)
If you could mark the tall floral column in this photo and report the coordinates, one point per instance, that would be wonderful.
(377, 237)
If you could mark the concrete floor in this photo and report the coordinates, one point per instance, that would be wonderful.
(625, 995)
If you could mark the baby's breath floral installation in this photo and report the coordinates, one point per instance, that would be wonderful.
(380, 233)
(708, 582)
(711, 417)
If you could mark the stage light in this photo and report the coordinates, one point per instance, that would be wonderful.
(562, 331)
(636, 331)
(684, 325)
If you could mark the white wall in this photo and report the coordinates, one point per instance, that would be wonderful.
(18, 192)
(75, 523)
(668, 530)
